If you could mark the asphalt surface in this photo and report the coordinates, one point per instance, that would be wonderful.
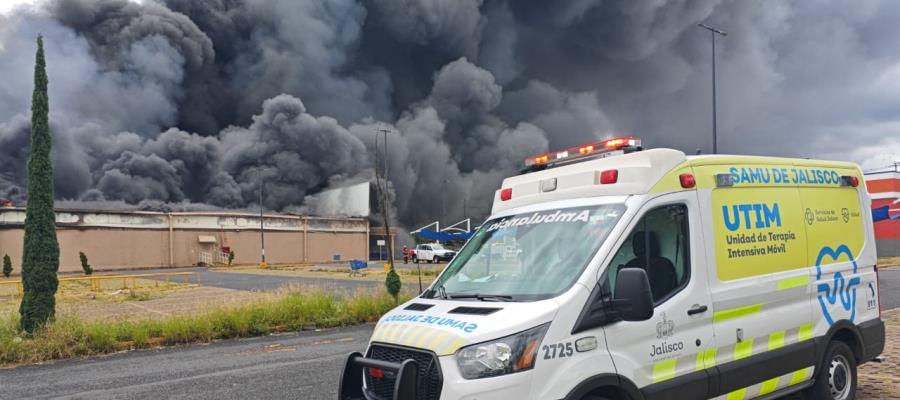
(889, 287)
(305, 365)
(297, 366)
(261, 282)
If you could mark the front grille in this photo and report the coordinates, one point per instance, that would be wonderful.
(430, 379)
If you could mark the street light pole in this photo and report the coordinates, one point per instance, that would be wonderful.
(713, 32)
(262, 234)
(383, 195)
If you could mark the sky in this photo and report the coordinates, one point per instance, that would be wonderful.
(7, 5)
(188, 103)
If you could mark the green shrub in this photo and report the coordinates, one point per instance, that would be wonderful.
(230, 257)
(7, 265)
(84, 264)
(392, 281)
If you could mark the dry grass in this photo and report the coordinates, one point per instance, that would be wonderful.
(889, 262)
(77, 293)
(69, 336)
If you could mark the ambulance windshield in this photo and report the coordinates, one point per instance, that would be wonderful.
(527, 257)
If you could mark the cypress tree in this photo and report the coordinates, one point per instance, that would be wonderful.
(40, 256)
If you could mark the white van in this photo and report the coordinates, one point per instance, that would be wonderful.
(606, 272)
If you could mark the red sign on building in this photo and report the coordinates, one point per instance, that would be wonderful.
(884, 188)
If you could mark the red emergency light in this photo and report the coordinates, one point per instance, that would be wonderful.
(583, 151)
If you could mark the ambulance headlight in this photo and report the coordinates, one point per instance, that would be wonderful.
(506, 355)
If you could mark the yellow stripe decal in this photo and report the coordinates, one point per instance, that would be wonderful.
(806, 332)
(710, 357)
(664, 370)
(391, 335)
(734, 313)
(776, 340)
(801, 375)
(769, 386)
(433, 344)
(424, 338)
(454, 346)
(412, 333)
(377, 333)
(743, 349)
(794, 282)
(706, 359)
(739, 394)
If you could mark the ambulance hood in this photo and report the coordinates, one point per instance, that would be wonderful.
(445, 326)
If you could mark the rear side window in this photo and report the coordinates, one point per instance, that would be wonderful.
(659, 245)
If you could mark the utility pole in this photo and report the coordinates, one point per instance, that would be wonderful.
(713, 33)
(262, 231)
(382, 194)
(444, 201)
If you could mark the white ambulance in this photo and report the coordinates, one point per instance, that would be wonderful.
(607, 272)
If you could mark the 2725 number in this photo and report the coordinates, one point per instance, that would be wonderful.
(558, 350)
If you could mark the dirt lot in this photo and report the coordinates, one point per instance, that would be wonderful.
(147, 301)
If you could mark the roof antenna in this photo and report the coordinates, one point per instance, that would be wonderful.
(699, 152)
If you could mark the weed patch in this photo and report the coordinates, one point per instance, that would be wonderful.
(68, 336)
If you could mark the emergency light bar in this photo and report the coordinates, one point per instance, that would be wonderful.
(584, 151)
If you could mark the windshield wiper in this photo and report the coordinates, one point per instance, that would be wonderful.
(437, 293)
(482, 297)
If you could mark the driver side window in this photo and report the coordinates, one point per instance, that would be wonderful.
(659, 245)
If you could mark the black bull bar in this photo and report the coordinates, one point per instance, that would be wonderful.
(352, 378)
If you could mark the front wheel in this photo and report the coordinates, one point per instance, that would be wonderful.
(837, 378)
(435, 259)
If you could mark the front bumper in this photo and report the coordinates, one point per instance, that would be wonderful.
(351, 387)
(506, 387)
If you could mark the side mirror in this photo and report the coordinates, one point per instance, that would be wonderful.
(633, 300)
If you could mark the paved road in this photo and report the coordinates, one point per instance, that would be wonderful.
(889, 287)
(261, 282)
(298, 366)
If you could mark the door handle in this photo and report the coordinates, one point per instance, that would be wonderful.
(697, 309)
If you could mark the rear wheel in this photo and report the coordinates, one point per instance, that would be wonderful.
(435, 259)
(837, 378)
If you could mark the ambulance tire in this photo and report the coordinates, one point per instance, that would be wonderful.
(595, 398)
(836, 380)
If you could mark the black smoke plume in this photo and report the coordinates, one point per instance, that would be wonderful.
(189, 103)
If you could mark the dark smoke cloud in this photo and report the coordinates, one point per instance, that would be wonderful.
(187, 104)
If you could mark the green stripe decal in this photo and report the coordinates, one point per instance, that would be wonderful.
(725, 315)
(776, 340)
(794, 282)
(664, 370)
(743, 349)
(806, 332)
